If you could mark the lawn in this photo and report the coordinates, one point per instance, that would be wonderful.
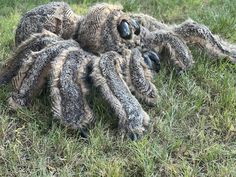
(193, 126)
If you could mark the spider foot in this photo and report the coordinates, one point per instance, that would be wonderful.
(131, 134)
(134, 129)
(232, 56)
(15, 103)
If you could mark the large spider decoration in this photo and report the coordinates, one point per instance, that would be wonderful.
(117, 52)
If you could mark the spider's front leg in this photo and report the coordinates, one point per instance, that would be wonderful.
(198, 34)
(68, 89)
(168, 43)
(139, 77)
(107, 77)
(158, 36)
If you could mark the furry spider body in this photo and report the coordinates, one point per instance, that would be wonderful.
(116, 50)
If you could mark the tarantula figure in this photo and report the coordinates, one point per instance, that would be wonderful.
(117, 52)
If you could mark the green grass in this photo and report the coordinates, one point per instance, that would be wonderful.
(193, 127)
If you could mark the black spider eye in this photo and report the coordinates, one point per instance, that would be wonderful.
(136, 26)
(124, 30)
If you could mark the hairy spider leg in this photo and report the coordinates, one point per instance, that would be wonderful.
(140, 79)
(172, 46)
(149, 22)
(56, 17)
(199, 34)
(34, 71)
(69, 91)
(132, 118)
(35, 43)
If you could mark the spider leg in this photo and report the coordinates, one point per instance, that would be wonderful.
(198, 34)
(149, 22)
(140, 79)
(56, 17)
(34, 71)
(107, 77)
(169, 43)
(35, 43)
(68, 89)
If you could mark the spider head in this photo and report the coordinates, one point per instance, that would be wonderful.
(107, 28)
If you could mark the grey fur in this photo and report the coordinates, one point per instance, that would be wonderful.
(189, 32)
(68, 89)
(35, 43)
(118, 68)
(107, 78)
(56, 17)
(140, 78)
(32, 79)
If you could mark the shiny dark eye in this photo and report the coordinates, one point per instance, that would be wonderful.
(124, 30)
(136, 26)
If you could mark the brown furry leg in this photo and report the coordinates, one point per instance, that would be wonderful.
(106, 76)
(200, 35)
(149, 22)
(56, 17)
(35, 43)
(68, 89)
(34, 72)
(140, 79)
(162, 40)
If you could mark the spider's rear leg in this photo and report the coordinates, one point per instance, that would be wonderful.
(56, 17)
(139, 78)
(149, 22)
(33, 72)
(68, 89)
(200, 35)
(107, 77)
(35, 43)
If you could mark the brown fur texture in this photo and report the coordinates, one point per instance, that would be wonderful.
(107, 48)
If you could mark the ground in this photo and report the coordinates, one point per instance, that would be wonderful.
(193, 127)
